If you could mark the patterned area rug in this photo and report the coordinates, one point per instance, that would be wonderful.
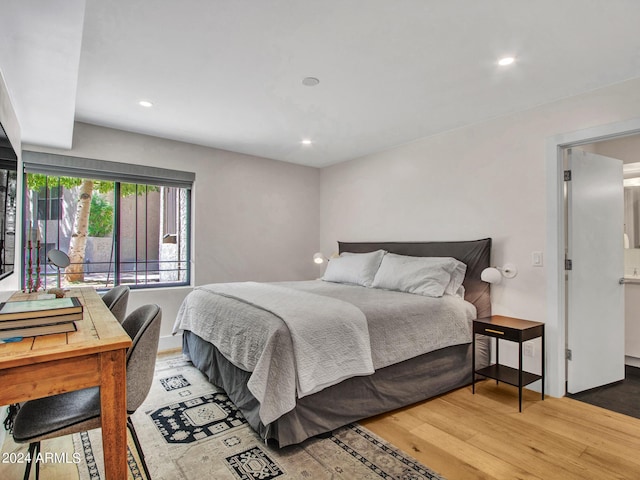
(190, 430)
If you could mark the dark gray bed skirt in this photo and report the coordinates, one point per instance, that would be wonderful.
(356, 398)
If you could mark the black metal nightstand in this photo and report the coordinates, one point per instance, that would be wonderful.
(514, 330)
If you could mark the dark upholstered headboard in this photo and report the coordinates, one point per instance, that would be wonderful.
(476, 254)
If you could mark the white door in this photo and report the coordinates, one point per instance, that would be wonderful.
(595, 297)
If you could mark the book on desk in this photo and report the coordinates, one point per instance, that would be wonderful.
(37, 330)
(39, 308)
(39, 321)
(39, 317)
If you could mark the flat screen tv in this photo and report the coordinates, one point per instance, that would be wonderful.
(8, 183)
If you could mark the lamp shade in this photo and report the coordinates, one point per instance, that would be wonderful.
(319, 258)
(58, 258)
(491, 275)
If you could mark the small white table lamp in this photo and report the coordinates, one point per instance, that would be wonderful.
(494, 275)
(319, 258)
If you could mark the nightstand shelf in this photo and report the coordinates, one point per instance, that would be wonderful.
(514, 330)
(508, 375)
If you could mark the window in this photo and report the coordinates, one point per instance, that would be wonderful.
(48, 199)
(115, 231)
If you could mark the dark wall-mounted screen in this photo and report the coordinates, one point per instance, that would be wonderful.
(8, 183)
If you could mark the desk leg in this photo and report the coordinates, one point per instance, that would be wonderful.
(113, 399)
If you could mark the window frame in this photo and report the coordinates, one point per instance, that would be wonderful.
(119, 173)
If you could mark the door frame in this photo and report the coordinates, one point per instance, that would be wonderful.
(555, 241)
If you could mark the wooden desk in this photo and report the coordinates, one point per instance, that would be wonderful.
(94, 355)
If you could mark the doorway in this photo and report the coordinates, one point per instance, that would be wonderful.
(556, 239)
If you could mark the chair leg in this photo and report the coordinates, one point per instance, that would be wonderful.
(37, 462)
(136, 442)
(34, 450)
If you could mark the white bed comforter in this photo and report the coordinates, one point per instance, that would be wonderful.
(329, 341)
(299, 337)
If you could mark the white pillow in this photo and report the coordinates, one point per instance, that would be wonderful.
(356, 268)
(458, 271)
(429, 276)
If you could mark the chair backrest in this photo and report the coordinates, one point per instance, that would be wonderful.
(116, 300)
(143, 326)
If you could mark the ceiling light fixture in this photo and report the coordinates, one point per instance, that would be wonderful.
(306, 141)
(310, 81)
(503, 62)
(145, 103)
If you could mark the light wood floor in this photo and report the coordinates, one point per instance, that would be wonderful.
(482, 436)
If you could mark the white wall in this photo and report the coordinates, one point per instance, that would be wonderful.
(632, 324)
(9, 121)
(253, 218)
(484, 180)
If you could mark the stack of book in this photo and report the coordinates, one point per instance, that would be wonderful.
(39, 317)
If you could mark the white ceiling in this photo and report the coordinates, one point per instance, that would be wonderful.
(40, 44)
(228, 73)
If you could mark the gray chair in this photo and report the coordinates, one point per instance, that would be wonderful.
(116, 300)
(79, 411)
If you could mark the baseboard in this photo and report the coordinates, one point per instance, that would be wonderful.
(170, 342)
(632, 361)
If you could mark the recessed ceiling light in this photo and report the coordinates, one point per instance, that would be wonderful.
(145, 103)
(503, 62)
(310, 81)
(306, 141)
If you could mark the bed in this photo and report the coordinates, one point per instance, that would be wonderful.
(390, 381)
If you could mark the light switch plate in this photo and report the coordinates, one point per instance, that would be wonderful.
(536, 259)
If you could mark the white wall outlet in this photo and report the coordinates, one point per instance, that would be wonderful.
(536, 259)
(529, 350)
